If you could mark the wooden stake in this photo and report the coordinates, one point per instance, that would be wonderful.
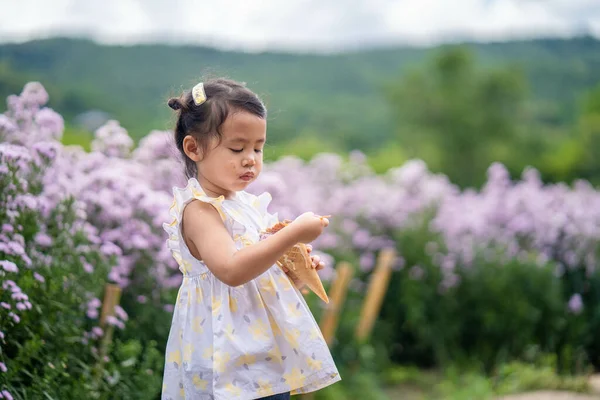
(338, 290)
(376, 291)
(330, 318)
(112, 297)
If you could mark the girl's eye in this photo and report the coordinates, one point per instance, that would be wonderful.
(236, 150)
(258, 150)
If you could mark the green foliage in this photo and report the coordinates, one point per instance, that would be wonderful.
(517, 377)
(77, 137)
(388, 156)
(465, 112)
(458, 383)
(502, 310)
(49, 351)
(304, 147)
(337, 96)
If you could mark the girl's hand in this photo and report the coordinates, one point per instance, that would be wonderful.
(316, 260)
(316, 264)
(308, 226)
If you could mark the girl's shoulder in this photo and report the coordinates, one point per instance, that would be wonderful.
(183, 196)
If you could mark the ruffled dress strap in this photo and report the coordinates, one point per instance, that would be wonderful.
(261, 203)
(181, 198)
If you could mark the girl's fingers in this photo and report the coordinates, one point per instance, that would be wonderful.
(324, 219)
(315, 261)
(309, 247)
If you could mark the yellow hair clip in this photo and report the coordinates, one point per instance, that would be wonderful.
(198, 94)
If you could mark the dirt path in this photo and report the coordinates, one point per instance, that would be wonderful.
(550, 395)
(416, 392)
(554, 395)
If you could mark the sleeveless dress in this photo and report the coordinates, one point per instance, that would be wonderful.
(243, 342)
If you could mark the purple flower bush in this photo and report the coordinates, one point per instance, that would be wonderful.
(506, 267)
(515, 250)
(54, 263)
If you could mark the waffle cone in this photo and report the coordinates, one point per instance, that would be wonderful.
(299, 265)
(297, 261)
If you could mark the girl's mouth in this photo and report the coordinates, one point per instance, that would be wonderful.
(247, 176)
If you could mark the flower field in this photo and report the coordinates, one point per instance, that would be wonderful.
(482, 277)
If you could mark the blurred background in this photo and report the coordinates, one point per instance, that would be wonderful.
(463, 134)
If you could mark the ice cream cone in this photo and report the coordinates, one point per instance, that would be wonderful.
(299, 265)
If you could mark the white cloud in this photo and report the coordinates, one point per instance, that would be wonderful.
(296, 24)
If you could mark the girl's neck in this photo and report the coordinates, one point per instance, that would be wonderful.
(213, 190)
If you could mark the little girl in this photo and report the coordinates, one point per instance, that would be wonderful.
(241, 329)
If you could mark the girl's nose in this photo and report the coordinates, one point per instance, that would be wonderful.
(248, 162)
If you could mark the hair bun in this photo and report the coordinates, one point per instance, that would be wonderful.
(174, 103)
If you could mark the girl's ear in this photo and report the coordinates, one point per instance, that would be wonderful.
(192, 149)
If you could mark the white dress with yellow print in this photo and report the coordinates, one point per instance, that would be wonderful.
(243, 342)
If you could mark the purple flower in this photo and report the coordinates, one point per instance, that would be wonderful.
(399, 263)
(19, 295)
(112, 320)
(361, 238)
(367, 261)
(7, 395)
(46, 151)
(42, 239)
(8, 284)
(97, 331)
(327, 240)
(50, 124)
(34, 94)
(112, 140)
(39, 277)
(120, 313)
(9, 266)
(15, 154)
(416, 272)
(5, 305)
(87, 267)
(94, 303)
(168, 308)
(7, 126)
(575, 304)
(142, 299)
(3, 367)
(110, 249)
(92, 308)
(1, 335)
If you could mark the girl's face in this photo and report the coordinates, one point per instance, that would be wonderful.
(233, 163)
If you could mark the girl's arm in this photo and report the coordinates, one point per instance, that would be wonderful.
(205, 229)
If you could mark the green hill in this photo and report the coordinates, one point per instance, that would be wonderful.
(337, 97)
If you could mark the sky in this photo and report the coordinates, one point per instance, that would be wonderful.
(297, 25)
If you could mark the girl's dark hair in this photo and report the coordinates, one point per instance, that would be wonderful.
(204, 121)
